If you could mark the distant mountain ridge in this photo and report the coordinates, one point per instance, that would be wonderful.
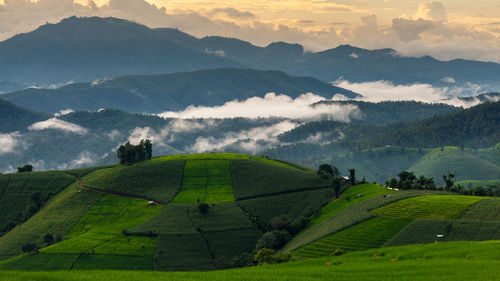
(86, 49)
(176, 91)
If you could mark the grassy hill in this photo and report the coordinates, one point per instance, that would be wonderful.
(109, 223)
(146, 216)
(465, 165)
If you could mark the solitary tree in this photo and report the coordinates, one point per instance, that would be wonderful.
(352, 176)
(337, 185)
(448, 180)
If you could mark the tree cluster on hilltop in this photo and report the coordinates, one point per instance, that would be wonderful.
(129, 153)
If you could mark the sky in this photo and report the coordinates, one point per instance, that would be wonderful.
(445, 29)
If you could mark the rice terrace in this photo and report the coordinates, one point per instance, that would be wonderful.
(149, 216)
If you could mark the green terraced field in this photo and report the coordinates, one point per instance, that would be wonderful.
(253, 179)
(207, 181)
(112, 214)
(431, 206)
(292, 204)
(56, 218)
(431, 262)
(182, 252)
(485, 210)
(173, 219)
(426, 231)
(348, 198)
(372, 233)
(155, 180)
(224, 216)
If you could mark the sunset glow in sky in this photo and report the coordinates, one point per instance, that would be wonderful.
(445, 29)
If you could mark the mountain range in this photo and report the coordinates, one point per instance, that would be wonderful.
(87, 49)
(175, 91)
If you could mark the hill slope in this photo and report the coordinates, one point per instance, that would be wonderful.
(154, 94)
(105, 221)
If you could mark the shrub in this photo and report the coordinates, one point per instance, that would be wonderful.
(48, 239)
(221, 263)
(28, 248)
(243, 260)
(267, 256)
(273, 239)
(338, 252)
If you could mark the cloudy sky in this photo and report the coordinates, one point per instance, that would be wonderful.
(445, 29)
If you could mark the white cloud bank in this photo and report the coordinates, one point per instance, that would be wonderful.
(271, 105)
(9, 142)
(54, 123)
(379, 91)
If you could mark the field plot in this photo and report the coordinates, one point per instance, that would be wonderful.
(41, 261)
(207, 181)
(372, 233)
(432, 206)
(114, 262)
(224, 216)
(486, 210)
(182, 253)
(292, 204)
(230, 243)
(426, 231)
(113, 214)
(349, 197)
(16, 189)
(172, 219)
(56, 218)
(155, 180)
(254, 178)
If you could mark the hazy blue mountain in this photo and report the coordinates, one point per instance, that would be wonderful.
(86, 49)
(15, 118)
(174, 91)
(9, 86)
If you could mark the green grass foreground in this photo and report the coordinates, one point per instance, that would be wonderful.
(438, 261)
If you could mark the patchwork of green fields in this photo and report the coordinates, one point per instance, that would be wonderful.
(111, 225)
